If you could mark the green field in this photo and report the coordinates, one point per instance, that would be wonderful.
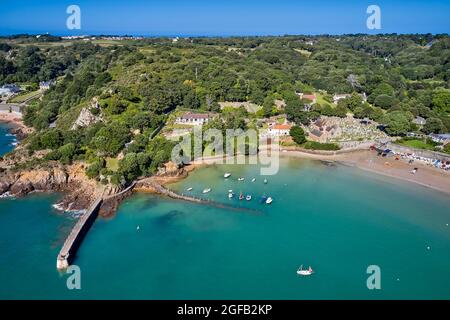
(416, 143)
(112, 164)
(24, 97)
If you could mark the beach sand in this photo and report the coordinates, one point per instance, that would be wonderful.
(15, 119)
(427, 176)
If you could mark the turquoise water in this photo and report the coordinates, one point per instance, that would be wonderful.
(338, 219)
(6, 139)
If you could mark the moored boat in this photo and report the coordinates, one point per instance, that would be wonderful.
(302, 272)
(248, 198)
(207, 190)
(227, 175)
(241, 179)
(269, 200)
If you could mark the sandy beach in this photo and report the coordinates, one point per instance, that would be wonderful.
(427, 176)
(15, 119)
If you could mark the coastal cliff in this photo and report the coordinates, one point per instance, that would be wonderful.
(80, 191)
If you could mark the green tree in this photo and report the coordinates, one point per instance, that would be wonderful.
(433, 125)
(298, 135)
(111, 138)
(268, 105)
(398, 123)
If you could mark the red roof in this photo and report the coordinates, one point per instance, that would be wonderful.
(281, 127)
(310, 97)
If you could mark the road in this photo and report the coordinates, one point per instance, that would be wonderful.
(15, 107)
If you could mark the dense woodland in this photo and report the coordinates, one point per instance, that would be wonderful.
(140, 82)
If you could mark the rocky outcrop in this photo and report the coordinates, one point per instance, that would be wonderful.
(80, 191)
(86, 117)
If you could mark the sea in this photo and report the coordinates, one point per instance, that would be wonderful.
(343, 222)
(7, 140)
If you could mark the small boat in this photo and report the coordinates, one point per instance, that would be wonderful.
(254, 179)
(248, 198)
(241, 179)
(241, 196)
(189, 189)
(302, 272)
(138, 228)
(265, 181)
(230, 191)
(227, 175)
(230, 195)
(207, 190)
(269, 200)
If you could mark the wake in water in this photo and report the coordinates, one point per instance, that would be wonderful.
(72, 213)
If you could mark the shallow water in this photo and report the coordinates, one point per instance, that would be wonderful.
(6, 139)
(337, 219)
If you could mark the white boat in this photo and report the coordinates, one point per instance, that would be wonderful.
(302, 272)
(254, 179)
(207, 190)
(230, 191)
(248, 198)
(269, 200)
(189, 189)
(227, 175)
(230, 195)
(241, 179)
(265, 181)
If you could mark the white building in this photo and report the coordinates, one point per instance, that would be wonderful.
(194, 119)
(279, 130)
(45, 85)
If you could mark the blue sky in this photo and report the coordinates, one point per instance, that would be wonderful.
(210, 18)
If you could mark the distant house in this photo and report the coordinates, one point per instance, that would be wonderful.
(279, 130)
(194, 119)
(9, 89)
(420, 121)
(310, 97)
(45, 85)
(443, 138)
(338, 97)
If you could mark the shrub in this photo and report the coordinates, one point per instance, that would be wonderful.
(313, 145)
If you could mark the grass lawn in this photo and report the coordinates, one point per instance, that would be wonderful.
(415, 143)
(112, 164)
(24, 97)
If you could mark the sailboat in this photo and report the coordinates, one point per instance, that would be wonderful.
(189, 189)
(241, 196)
(302, 272)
